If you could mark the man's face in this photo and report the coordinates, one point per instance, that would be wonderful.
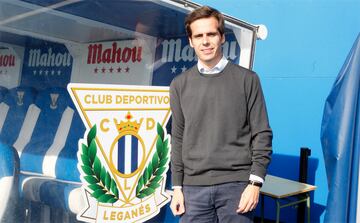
(206, 41)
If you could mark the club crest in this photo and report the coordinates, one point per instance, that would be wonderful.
(125, 152)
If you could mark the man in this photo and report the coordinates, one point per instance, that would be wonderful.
(221, 139)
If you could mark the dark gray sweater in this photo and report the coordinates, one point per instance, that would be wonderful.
(220, 129)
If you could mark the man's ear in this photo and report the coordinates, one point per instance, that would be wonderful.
(192, 46)
(223, 38)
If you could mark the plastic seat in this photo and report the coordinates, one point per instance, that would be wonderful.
(49, 161)
(66, 164)
(53, 193)
(3, 107)
(18, 101)
(52, 104)
(3, 91)
(9, 178)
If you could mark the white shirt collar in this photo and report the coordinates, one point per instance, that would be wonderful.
(216, 69)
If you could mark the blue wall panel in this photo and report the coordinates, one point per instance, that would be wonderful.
(307, 44)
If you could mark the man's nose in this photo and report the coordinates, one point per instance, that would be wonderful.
(205, 40)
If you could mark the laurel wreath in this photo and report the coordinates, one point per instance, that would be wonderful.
(100, 182)
(104, 186)
(153, 173)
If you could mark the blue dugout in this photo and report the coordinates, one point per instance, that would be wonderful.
(47, 44)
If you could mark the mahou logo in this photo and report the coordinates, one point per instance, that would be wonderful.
(38, 58)
(7, 60)
(11, 57)
(175, 51)
(175, 55)
(47, 62)
(97, 54)
(117, 62)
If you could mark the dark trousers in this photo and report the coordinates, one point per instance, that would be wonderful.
(214, 204)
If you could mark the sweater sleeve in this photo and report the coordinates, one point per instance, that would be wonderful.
(261, 141)
(177, 129)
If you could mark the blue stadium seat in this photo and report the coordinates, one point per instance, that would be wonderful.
(18, 99)
(3, 91)
(9, 176)
(3, 107)
(49, 161)
(52, 103)
(66, 165)
(51, 192)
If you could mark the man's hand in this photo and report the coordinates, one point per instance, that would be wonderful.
(177, 202)
(249, 199)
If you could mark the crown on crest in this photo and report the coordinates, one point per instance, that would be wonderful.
(128, 125)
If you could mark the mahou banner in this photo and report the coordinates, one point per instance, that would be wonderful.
(125, 153)
(175, 55)
(10, 65)
(46, 64)
(117, 62)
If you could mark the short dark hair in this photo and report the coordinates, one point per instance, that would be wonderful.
(204, 12)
